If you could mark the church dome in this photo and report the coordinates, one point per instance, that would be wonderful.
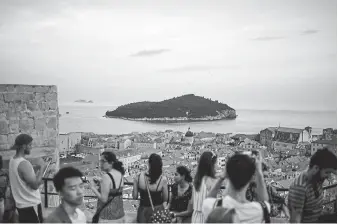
(189, 133)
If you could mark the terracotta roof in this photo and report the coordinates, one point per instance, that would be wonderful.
(290, 130)
(328, 142)
(272, 128)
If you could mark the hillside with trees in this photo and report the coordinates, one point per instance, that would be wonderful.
(189, 106)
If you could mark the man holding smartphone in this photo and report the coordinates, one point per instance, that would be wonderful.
(240, 169)
(25, 182)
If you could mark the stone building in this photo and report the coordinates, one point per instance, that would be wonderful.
(288, 138)
(266, 136)
(30, 109)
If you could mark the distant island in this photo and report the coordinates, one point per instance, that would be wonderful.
(83, 101)
(186, 108)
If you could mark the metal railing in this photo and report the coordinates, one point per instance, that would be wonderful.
(46, 193)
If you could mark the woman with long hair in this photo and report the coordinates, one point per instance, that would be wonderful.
(181, 193)
(203, 182)
(158, 188)
(109, 194)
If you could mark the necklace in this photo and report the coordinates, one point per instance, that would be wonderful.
(181, 191)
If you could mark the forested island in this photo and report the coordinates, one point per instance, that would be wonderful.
(186, 108)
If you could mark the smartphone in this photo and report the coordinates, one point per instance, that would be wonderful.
(248, 153)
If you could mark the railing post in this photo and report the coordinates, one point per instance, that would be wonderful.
(46, 192)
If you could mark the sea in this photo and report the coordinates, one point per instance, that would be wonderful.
(89, 118)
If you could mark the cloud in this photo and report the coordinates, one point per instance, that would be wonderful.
(147, 53)
(267, 38)
(309, 32)
(196, 68)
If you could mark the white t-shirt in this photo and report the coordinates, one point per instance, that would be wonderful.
(250, 212)
(81, 217)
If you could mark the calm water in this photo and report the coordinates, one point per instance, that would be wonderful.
(88, 118)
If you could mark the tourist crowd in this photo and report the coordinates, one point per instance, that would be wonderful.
(246, 197)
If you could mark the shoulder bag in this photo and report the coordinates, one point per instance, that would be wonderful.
(96, 216)
(161, 215)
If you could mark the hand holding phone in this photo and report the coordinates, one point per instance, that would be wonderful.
(49, 161)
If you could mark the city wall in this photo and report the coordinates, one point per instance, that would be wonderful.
(33, 110)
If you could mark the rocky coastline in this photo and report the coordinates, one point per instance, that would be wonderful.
(223, 115)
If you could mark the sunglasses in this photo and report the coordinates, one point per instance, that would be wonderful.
(213, 155)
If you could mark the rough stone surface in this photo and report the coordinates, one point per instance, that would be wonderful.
(4, 129)
(26, 97)
(40, 124)
(29, 109)
(4, 147)
(14, 126)
(53, 105)
(11, 88)
(53, 89)
(52, 122)
(26, 109)
(51, 96)
(3, 139)
(3, 115)
(26, 125)
(43, 105)
(3, 88)
(11, 139)
(13, 115)
(39, 96)
(32, 105)
(3, 106)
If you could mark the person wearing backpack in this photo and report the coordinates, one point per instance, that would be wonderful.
(240, 170)
(109, 195)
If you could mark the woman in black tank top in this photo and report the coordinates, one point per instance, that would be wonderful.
(158, 188)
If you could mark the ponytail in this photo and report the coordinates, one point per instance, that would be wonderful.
(111, 158)
(118, 165)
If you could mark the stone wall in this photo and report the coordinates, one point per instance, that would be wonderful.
(32, 110)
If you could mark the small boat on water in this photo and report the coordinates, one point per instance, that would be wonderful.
(67, 112)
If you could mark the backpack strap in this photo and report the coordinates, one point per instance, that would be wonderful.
(266, 214)
(159, 183)
(112, 179)
(218, 203)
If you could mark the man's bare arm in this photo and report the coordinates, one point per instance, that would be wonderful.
(27, 174)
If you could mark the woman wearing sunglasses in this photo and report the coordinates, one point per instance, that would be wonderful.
(110, 203)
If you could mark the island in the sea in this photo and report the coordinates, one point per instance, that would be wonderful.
(186, 108)
(83, 101)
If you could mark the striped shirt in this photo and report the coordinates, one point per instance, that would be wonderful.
(304, 198)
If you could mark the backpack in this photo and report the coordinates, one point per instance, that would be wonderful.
(4, 182)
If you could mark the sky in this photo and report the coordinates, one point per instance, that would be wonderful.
(258, 54)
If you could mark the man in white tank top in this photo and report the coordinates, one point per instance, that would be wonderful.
(25, 183)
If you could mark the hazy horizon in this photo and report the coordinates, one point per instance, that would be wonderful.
(94, 104)
(260, 54)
